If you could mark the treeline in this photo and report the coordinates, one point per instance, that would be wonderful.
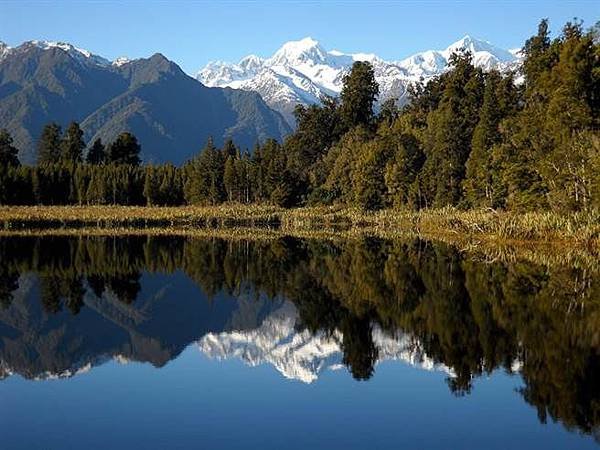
(68, 173)
(519, 141)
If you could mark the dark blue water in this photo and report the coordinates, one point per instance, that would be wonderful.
(291, 344)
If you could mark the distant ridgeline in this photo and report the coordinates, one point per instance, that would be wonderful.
(468, 138)
(171, 113)
(471, 316)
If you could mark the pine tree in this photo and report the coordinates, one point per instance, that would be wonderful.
(97, 153)
(72, 144)
(205, 177)
(49, 148)
(124, 150)
(229, 149)
(8, 152)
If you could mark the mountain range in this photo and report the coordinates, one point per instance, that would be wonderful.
(171, 113)
(169, 314)
(301, 355)
(301, 72)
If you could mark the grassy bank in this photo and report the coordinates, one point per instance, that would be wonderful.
(580, 228)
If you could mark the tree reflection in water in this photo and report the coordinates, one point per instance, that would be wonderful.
(473, 316)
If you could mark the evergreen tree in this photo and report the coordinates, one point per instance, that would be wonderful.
(403, 167)
(229, 149)
(8, 152)
(124, 150)
(318, 128)
(72, 144)
(359, 92)
(205, 177)
(368, 176)
(449, 132)
(338, 164)
(97, 192)
(97, 153)
(389, 112)
(483, 185)
(277, 184)
(230, 179)
(151, 187)
(49, 144)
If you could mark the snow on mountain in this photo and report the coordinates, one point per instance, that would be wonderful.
(4, 49)
(301, 355)
(121, 60)
(76, 53)
(303, 71)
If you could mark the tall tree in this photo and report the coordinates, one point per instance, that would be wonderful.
(482, 184)
(450, 130)
(124, 150)
(49, 148)
(231, 180)
(8, 152)
(358, 95)
(72, 144)
(97, 153)
(205, 177)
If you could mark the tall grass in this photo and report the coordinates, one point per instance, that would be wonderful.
(580, 228)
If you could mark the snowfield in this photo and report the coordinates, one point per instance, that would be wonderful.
(301, 72)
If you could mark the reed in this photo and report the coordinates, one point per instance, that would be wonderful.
(581, 228)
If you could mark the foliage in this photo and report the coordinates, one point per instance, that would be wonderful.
(521, 141)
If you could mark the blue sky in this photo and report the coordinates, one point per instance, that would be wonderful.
(194, 32)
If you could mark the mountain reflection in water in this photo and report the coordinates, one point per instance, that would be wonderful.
(68, 304)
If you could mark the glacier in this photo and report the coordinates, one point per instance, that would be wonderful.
(302, 71)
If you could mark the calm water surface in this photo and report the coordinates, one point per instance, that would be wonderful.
(171, 342)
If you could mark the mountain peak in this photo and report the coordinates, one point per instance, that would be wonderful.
(306, 50)
(76, 52)
(304, 43)
(302, 71)
(475, 46)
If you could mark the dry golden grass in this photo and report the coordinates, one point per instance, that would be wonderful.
(573, 229)
(543, 238)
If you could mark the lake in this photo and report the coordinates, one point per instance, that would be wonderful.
(168, 342)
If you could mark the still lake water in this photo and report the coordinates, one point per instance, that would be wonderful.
(172, 342)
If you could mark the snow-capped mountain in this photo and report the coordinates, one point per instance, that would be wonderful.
(76, 53)
(302, 71)
(301, 355)
(4, 49)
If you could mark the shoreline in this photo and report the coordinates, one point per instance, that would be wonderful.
(531, 228)
(542, 237)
